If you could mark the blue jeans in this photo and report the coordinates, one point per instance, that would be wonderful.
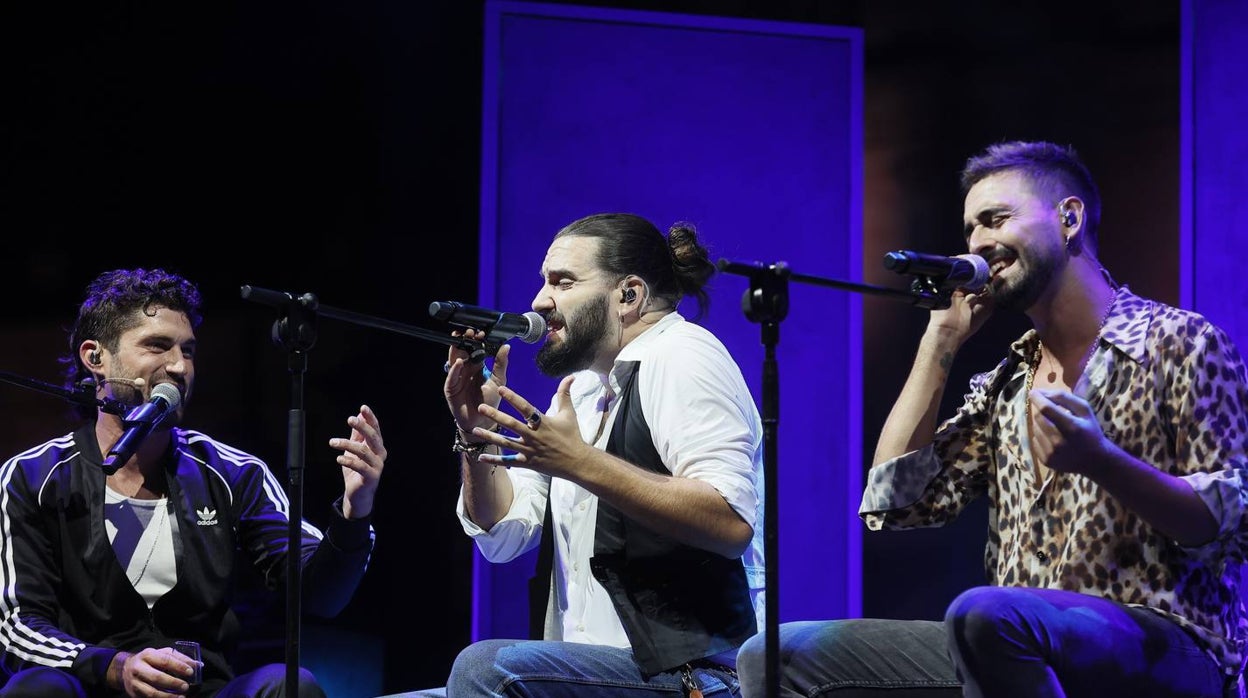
(994, 642)
(268, 681)
(550, 669)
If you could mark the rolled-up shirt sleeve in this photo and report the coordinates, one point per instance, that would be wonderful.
(1209, 395)
(1223, 492)
(520, 529)
(930, 486)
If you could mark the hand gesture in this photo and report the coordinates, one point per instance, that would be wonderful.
(362, 459)
(1065, 434)
(548, 443)
(470, 385)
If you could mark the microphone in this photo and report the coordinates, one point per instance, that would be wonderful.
(968, 272)
(139, 422)
(498, 326)
(136, 383)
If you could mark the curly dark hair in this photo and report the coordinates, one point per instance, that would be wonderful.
(674, 266)
(113, 303)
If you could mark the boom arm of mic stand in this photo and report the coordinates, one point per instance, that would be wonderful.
(83, 395)
(923, 292)
(477, 351)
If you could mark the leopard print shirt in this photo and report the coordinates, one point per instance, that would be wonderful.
(1169, 388)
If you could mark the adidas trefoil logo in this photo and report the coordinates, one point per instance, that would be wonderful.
(207, 517)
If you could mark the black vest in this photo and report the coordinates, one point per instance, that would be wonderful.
(677, 603)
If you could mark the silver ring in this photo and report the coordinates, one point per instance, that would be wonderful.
(534, 420)
(446, 367)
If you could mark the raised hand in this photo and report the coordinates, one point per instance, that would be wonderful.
(966, 313)
(548, 443)
(362, 459)
(470, 385)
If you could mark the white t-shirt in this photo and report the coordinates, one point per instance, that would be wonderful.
(141, 531)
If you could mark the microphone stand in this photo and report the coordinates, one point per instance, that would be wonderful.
(295, 330)
(767, 303)
(83, 395)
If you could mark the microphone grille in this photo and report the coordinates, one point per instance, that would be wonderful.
(982, 274)
(169, 393)
(442, 309)
(537, 327)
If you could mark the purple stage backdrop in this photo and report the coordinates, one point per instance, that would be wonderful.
(1215, 160)
(1214, 181)
(751, 130)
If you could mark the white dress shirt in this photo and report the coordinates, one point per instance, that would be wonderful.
(705, 426)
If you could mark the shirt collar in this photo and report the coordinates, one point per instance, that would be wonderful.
(636, 350)
(1126, 328)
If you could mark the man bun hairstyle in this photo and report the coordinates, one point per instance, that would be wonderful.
(673, 266)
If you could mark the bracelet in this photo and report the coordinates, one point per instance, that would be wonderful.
(472, 449)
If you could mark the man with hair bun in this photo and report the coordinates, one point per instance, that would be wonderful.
(640, 484)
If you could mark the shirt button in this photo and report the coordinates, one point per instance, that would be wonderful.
(580, 628)
(1041, 556)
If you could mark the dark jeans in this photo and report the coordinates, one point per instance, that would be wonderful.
(995, 642)
(268, 681)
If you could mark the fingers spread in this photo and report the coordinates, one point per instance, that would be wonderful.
(513, 398)
(365, 449)
(499, 417)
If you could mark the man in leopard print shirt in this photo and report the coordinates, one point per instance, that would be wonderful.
(1110, 443)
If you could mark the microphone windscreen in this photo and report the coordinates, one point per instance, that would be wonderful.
(169, 393)
(981, 276)
(537, 327)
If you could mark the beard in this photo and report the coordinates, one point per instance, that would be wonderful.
(1025, 290)
(582, 332)
(126, 391)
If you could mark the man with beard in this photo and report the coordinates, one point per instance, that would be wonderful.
(104, 569)
(640, 485)
(1110, 443)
